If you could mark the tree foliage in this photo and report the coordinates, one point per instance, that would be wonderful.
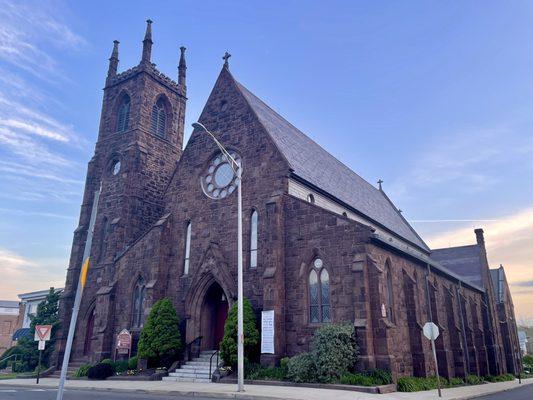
(160, 341)
(228, 346)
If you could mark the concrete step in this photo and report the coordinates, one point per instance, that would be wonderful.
(189, 367)
(177, 379)
(200, 363)
(188, 373)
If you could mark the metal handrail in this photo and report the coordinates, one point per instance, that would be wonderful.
(8, 357)
(211, 360)
(188, 347)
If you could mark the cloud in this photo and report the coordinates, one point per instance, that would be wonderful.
(467, 159)
(28, 274)
(509, 241)
(36, 213)
(28, 30)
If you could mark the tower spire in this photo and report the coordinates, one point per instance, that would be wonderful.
(113, 60)
(182, 67)
(147, 43)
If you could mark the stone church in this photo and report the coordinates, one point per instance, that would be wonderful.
(321, 244)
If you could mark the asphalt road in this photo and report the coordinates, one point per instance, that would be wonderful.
(26, 393)
(522, 393)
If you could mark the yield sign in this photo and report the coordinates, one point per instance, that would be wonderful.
(42, 332)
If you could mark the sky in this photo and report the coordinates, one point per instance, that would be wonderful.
(435, 98)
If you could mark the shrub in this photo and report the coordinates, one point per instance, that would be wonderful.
(527, 361)
(82, 371)
(473, 380)
(100, 371)
(415, 384)
(499, 378)
(121, 366)
(456, 382)
(258, 372)
(132, 363)
(408, 384)
(160, 341)
(110, 362)
(357, 379)
(228, 345)
(301, 368)
(284, 362)
(380, 376)
(334, 350)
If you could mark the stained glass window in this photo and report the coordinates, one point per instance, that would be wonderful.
(187, 249)
(319, 294)
(138, 303)
(253, 239)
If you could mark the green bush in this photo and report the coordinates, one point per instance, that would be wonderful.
(100, 371)
(380, 376)
(132, 362)
(110, 362)
(160, 341)
(473, 380)
(357, 380)
(301, 368)
(527, 361)
(228, 345)
(456, 382)
(334, 350)
(258, 372)
(416, 384)
(82, 371)
(121, 366)
(499, 378)
(284, 362)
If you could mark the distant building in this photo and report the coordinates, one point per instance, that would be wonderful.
(27, 307)
(29, 303)
(522, 337)
(9, 313)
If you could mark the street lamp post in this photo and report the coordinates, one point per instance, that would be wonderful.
(237, 170)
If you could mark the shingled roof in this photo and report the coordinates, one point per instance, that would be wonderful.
(463, 260)
(316, 166)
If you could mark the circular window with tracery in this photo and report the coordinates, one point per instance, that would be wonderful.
(219, 180)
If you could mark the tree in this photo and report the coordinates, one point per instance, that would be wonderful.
(47, 314)
(160, 341)
(228, 346)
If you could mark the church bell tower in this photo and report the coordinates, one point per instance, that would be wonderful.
(139, 143)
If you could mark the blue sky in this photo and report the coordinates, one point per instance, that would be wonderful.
(435, 98)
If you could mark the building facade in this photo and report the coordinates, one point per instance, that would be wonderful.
(321, 245)
(9, 315)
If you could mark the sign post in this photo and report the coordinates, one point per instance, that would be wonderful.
(123, 343)
(42, 334)
(431, 331)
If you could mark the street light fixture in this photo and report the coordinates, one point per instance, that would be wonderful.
(237, 170)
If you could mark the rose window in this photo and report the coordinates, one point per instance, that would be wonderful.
(219, 181)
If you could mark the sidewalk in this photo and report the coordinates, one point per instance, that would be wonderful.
(260, 392)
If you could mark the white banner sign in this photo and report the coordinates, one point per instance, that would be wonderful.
(267, 332)
(41, 345)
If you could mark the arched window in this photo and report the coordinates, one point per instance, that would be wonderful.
(253, 239)
(159, 117)
(311, 198)
(123, 120)
(319, 294)
(187, 249)
(139, 293)
(389, 294)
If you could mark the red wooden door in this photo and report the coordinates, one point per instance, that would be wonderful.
(89, 334)
(222, 314)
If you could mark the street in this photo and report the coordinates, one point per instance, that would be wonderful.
(31, 393)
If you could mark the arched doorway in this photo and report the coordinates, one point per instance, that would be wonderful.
(213, 317)
(89, 334)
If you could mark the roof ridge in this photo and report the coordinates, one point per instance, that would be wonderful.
(455, 247)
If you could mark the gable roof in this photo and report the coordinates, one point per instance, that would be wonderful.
(463, 260)
(313, 164)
